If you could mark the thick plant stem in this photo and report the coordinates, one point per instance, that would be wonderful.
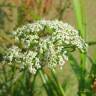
(43, 79)
(58, 84)
(45, 82)
(81, 24)
(80, 16)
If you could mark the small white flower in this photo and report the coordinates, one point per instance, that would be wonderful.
(37, 63)
(32, 70)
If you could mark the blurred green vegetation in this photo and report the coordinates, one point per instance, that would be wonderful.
(15, 13)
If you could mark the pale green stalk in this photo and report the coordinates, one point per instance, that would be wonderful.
(80, 16)
(81, 24)
(45, 81)
(58, 84)
(43, 78)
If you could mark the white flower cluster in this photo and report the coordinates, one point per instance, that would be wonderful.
(44, 43)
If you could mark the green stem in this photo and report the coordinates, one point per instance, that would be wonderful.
(45, 82)
(43, 78)
(80, 16)
(59, 85)
(81, 24)
(91, 43)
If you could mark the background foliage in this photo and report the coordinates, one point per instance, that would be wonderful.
(74, 79)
